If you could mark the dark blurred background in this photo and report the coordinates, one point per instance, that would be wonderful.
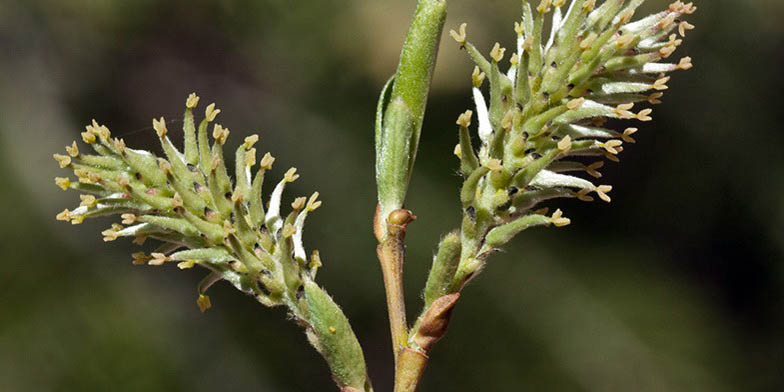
(675, 286)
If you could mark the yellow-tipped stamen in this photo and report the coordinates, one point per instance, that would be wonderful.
(464, 120)
(627, 135)
(63, 160)
(497, 53)
(192, 101)
(592, 169)
(460, 34)
(88, 201)
(140, 258)
(63, 182)
(250, 141)
(211, 112)
(575, 103)
(558, 220)
(160, 127)
(158, 259)
(203, 302)
(602, 191)
(128, 219)
(266, 161)
(291, 175)
(220, 134)
(611, 146)
(299, 203)
(565, 144)
(313, 202)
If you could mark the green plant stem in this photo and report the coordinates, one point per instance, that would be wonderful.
(391, 255)
(398, 126)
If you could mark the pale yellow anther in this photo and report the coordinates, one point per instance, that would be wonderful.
(314, 203)
(72, 150)
(592, 169)
(685, 63)
(215, 163)
(661, 83)
(220, 134)
(644, 115)
(291, 175)
(164, 165)
(88, 201)
(624, 110)
(203, 302)
(588, 41)
(236, 197)
(575, 103)
(160, 127)
(519, 29)
(315, 260)
(266, 161)
(528, 44)
(460, 34)
(558, 3)
(177, 200)
(689, 8)
(109, 235)
(458, 151)
(558, 220)
(187, 264)
(667, 51)
(158, 259)
(299, 203)
(497, 53)
(288, 230)
(683, 27)
(506, 122)
(477, 77)
(101, 130)
(544, 6)
(88, 137)
(65, 215)
(250, 141)
(514, 60)
(602, 191)
(583, 195)
(128, 219)
(588, 5)
(228, 229)
(192, 101)
(250, 157)
(464, 120)
(627, 135)
(565, 144)
(625, 16)
(611, 146)
(494, 165)
(119, 145)
(211, 112)
(667, 21)
(611, 157)
(77, 219)
(624, 41)
(139, 240)
(655, 98)
(63, 160)
(63, 182)
(675, 6)
(140, 258)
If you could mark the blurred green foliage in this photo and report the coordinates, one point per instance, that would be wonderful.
(676, 286)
